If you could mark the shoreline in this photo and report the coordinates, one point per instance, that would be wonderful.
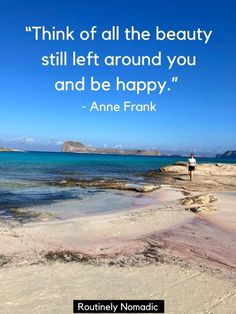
(118, 233)
(105, 255)
(90, 226)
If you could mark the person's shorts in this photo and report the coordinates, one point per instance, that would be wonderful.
(191, 168)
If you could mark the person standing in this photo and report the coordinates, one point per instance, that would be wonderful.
(192, 164)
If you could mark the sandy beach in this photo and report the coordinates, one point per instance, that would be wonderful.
(117, 157)
(160, 250)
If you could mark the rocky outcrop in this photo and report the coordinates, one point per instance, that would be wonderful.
(227, 154)
(70, 147)
(5, 149)
(199, 203)
(202, 169)
(77, 147)
(207, 177)
(108, 184)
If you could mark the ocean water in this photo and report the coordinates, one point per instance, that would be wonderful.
(25, 178)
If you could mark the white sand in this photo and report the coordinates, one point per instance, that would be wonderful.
(51, 288)
(92, 233)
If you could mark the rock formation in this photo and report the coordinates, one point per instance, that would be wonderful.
(199, 203)
(218, 169)
(227, 154)
(5, 149)
(77, 147)
(108, 184)
(207, 177)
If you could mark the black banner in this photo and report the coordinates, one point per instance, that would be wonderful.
(118, 306)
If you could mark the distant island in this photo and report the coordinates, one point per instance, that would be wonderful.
(227, 154)
(6, 149)
(77, 147)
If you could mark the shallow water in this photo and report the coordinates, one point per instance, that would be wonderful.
(25, 178)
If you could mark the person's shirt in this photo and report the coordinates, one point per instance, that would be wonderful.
(192, 162)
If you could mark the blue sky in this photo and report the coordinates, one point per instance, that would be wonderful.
(197, 115)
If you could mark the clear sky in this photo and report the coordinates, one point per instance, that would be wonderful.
(199, 113)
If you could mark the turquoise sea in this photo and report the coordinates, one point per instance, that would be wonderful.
(25, 178)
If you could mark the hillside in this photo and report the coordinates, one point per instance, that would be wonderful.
(227, 154)
(5, 149)
(77, 147)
